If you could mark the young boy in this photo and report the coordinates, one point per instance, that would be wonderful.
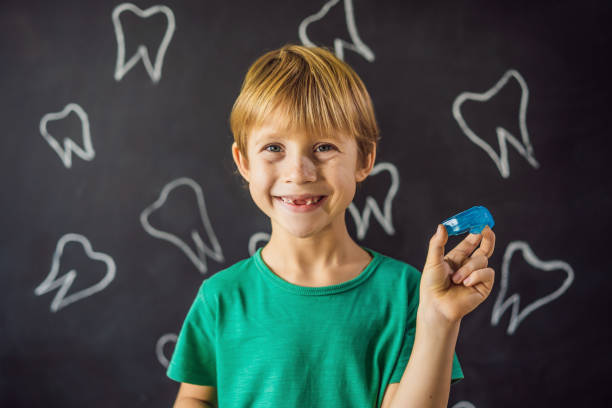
(313, 319)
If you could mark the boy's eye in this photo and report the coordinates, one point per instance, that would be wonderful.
(321, 148)
(327, 148)
(267, 148)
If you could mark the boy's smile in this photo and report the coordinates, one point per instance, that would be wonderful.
(302, 203)
(303, 182)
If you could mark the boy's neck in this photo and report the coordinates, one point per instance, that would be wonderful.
(331, 257)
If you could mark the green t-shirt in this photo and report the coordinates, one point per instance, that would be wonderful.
(265, 342)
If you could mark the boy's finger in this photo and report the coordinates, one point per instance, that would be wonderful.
(485, 276)
(487, 246)
(459, 254)
(435, 254)
(474, 263)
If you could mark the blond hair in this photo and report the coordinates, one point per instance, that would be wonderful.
(307, 88)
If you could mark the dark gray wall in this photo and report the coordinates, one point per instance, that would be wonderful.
(549, 196)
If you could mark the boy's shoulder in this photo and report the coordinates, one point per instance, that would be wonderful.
(230, 276)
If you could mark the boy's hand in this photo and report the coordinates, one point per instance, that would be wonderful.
(452, 285)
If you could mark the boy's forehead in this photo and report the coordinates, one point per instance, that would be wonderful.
(270, 130)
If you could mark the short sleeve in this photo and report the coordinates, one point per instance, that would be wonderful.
(409, 334)
(193, 360)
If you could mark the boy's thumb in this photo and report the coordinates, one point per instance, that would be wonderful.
(435, 254)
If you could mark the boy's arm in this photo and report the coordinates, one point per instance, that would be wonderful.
(196, 396)
(452, 285)
(427, 377)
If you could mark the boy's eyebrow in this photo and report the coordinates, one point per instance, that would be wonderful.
(265, 135)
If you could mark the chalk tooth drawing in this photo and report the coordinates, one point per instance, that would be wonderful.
(362, 221)
(503, 136)
(357, 44)
(154, 70)
(64, 282)
(256, 239)
(464, 404)
(161, 344)
(502, 304)
(65, 154)
(203, 250)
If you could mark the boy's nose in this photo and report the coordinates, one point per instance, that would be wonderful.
(300, 169)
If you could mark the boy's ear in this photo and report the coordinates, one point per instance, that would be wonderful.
(368, 165)
(241, 162)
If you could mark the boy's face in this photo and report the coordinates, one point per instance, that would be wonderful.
(288, 163)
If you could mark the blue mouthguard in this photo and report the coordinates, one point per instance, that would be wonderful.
(473, 220)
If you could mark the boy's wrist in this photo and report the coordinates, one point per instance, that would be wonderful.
(430, 319)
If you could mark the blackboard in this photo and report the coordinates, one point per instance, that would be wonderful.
(113, 161)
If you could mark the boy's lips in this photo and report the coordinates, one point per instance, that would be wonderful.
(300, 196)
(301, 199)
(301, 203)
